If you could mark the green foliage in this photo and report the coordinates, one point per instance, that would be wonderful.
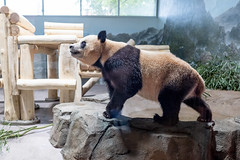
(7, 134)
(221, 74)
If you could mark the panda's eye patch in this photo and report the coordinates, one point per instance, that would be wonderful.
(83, 44)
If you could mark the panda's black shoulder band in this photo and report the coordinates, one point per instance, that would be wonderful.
(98, 63)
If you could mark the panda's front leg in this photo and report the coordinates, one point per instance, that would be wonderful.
(114, 107)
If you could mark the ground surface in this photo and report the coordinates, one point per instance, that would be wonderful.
(35, 145)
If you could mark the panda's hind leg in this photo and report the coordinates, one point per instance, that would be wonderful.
(170, 101)
(201, 107)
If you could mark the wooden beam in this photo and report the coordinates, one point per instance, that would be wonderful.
(152, 47)
(78, 33)
(15, 18)
(88, 74)
(67, 66)
(26, 72)
(5, 10)
(89, 84)
(19, 31)
(47, 39)
(63, 26)
(38, 84)
(11, 102)
(44, 50)
(1, 83)
(52, 74)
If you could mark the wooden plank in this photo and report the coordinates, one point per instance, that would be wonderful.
(44, 50)
(15, 18)
(38, 84)
(11, 102)
(66, 68)
(47, 39)
(19, 31)
(26, 72)
(63, 26)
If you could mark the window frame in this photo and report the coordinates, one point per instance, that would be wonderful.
(118, 11)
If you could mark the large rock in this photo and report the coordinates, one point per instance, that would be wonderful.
(85, 134)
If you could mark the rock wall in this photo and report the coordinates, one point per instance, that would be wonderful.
(83, 133)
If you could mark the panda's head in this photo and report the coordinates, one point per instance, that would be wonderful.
(89, 48)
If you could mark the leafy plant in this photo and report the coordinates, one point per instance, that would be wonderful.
(221, 74)
(7, 134)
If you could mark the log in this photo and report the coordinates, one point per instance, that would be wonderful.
(52, 74)
(1, 83)
(26, 72)
(88, 85)
(90, 74)
(43, 50)
(153, 47)
(78, 33)
(13, 64)
(67, 66)
(78, 90)
(63, 26)
(11, 102)
(5, 10)
(47, 39)
(19, 31)
(131, 42)
(38, 84)
(15, 18)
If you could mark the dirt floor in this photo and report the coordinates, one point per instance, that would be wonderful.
(224, 104)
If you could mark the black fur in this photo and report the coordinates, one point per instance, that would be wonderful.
(124, 79)
(171, 97)
(102, 36)
(98, 64)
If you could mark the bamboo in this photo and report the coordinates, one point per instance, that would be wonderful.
(78, 33)
(15, 18)
(38, 84)
(26, 72)
(19, 31)
(63, 26)
(47, 39)
(11, 105)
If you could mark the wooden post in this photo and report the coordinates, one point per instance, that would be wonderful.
(26, 72)
(67, 66)
(11, 102)
(78, 90)
(52, 74)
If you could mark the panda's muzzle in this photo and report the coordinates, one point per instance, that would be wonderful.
(75, 52)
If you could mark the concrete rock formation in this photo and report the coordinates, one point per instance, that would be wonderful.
(83, 133)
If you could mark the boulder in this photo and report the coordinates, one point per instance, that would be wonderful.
(83, 133)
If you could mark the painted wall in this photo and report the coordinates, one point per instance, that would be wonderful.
(93, 24)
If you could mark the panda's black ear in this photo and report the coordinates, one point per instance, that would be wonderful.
(102, 36)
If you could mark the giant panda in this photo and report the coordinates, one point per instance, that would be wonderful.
(155, 76)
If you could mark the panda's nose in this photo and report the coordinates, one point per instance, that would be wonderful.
(71, 46)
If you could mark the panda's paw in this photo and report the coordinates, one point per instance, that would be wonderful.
(165, 121)
(106, 115)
